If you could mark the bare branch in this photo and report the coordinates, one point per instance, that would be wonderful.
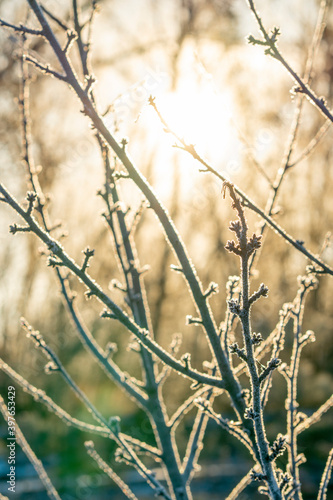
(95, 290)
(234, 495)
(37, 464)
(302, 86)
(44, 68)
(306, 422)
(55, 18)
(322, 494)
(90, 447)
(21, 28)
(40, 396)
(190, 148)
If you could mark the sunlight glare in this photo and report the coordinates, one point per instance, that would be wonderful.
(201, 117)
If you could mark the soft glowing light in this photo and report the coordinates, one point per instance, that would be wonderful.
(200, 116)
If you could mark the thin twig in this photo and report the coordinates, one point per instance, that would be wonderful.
(82, 47)
(21, 28)
(291, 374)
(54, 18)
(56, 365)
(244, 247)
(95, 290)
(37, 464)
(44, 68)
(40, 396)
(190, 148)
(170, 230)
(186, 407)
(243, 483)
(90, 447)
(315, 417)
(88, 341)
(287, 163)
(194, 445)
(137, 299)
(322, 494)
(312, 145)
(273, 51)
(249, 153)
